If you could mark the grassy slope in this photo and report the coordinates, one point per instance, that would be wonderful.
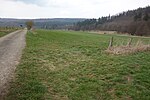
(5, 32)
(59, 65)
(2, 34)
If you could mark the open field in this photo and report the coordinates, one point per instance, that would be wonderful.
(63, 65)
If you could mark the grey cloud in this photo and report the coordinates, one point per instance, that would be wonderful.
(36, 2)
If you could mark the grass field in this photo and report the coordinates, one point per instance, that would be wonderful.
(63, 65)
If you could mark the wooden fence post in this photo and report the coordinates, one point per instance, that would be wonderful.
(110, 42)
(129, 43)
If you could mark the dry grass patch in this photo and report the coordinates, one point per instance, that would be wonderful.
(127, 49)
(103, 32)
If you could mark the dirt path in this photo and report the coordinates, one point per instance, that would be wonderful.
(11, 47)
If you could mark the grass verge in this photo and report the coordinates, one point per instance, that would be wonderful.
(4, 32)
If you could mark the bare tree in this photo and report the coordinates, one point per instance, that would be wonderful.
(29, 24)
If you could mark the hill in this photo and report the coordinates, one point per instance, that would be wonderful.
(55, 23)
(135, 22)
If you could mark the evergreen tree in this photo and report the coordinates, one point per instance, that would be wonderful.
(146, 17)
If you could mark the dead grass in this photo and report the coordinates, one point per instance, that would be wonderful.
(103, 32)
(128, 49)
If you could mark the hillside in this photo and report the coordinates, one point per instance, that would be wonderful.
(135, 22)
(56, 23)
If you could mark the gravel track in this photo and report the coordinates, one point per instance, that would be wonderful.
(11, 47)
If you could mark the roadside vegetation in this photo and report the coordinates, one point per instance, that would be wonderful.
(67, 65)
(29, 24)
(6, 30)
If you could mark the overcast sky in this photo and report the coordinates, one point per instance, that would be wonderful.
(66, 8)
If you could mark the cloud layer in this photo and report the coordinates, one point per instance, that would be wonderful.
(66, 8)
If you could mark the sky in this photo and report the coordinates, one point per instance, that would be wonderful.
(32, 9)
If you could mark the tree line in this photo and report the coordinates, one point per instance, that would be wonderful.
(134, 22)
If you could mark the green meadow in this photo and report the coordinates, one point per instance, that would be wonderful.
(68, 65)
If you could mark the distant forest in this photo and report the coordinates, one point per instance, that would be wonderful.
(134, 22)
(49, 23)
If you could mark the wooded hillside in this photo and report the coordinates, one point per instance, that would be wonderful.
(49, 23)
(134, 22)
